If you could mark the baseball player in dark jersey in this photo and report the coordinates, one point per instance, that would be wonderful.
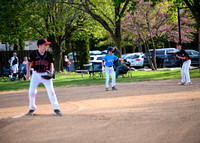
(41, 61)
(182, 55)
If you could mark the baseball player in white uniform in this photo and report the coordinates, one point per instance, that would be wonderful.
(182, 55)
(41, 60)
(109, 60)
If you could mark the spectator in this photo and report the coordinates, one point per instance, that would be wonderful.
(67, 63)
(23, 66)
(116, 52)
(122, 68)
(14, 63)
(25, 61)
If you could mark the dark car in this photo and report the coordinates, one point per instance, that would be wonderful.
(194, 55)
(171, 60)
(161, 55)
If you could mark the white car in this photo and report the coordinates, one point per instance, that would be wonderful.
(96, 58)
(104, 52)
(95, 52)
(136, 59)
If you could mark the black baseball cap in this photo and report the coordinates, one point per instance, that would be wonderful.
(43, 41)
(110, 48)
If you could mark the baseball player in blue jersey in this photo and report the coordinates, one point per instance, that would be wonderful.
(109, 60)
(42, 62)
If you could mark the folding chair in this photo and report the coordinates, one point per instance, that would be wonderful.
(20, 73)
(126, 71)
(4, 74)
(96, 70)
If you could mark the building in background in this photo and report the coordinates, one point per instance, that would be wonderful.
(29, 45)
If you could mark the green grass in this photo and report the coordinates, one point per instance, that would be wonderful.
(76, 79)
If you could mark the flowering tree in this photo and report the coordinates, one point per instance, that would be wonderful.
(148, 24)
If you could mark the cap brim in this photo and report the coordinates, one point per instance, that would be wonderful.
(47, 43)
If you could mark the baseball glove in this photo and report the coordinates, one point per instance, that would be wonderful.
(178, 54)
(125, 60)
(48, 76)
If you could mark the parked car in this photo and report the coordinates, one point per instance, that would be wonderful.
(104, 52)
(95, 52)
(96, 58)
(161, 54)
(194, 55)
(171, 60)
(136, 59)
(159, 60)
(124, 55)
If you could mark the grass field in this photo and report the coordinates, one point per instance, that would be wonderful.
(76, 79)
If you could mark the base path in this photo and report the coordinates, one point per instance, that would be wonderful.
(138, 112)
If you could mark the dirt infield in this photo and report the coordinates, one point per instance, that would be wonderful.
(138, 112)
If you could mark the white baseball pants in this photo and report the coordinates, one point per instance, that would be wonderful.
(112, 72)
(35, 80)
(185, 71)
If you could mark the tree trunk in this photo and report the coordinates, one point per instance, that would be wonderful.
(154, 48)
(140, 47)
(149, 58)
(116, 34)
(124, 50)
(148, 55)
(57, 54)
(21, 45)
(169, 45)
(133, 49)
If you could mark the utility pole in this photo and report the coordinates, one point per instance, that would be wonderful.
(179, 25)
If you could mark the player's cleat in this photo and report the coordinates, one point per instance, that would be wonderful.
(113, 88)
(106, 89)
(188, 83)
(181, 83)
(57, 112)
(30, 112)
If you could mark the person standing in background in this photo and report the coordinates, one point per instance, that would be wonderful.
(14, 63)
(25, 61)
(67, 63)
(116, 52)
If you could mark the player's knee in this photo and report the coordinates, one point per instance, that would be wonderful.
(32, 93)
(51, 92)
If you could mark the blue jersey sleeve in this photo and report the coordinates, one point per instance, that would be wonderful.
(115, 58)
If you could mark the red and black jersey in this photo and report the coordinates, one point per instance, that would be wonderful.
(41, 63)
(182, 53)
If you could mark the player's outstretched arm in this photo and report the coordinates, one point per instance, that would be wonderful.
(120, 59)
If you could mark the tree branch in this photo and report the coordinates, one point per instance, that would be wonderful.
(124, 7)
